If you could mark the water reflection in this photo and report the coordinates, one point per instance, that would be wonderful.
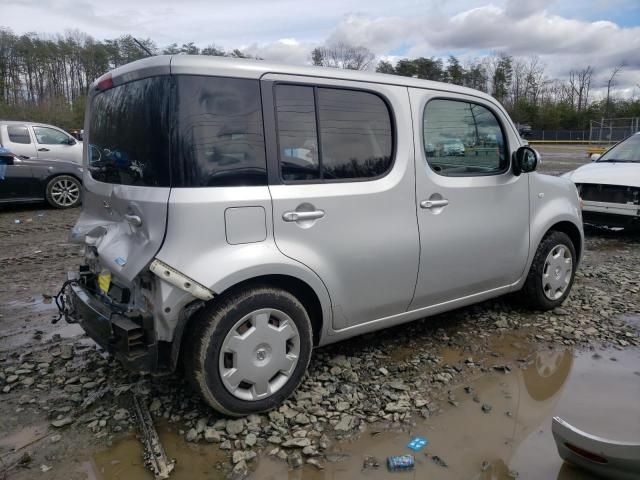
(514, 435)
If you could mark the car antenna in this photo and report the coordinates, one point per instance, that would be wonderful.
(143, 47)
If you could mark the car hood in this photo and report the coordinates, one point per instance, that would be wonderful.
(627, 174)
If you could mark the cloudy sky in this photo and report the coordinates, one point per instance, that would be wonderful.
(565, 34)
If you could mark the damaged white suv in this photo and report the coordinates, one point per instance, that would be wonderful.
(236, 214)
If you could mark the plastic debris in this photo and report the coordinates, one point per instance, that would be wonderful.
(417, 443)
(400, 462)
(155, 458)
(439, 461)
(16, 221)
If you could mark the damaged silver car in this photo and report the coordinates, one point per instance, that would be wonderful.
(237, 213)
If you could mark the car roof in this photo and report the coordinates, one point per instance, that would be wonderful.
(256, 69)
(31, 124)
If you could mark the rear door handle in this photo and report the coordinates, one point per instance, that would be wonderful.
(43, 149)
(298, 216)
(434, 203)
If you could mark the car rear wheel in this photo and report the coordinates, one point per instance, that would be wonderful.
(63, 191)
(248, 352)
(551, 274)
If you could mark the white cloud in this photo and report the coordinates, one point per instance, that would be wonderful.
(287, 30)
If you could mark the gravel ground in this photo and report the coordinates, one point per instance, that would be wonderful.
(62, 399)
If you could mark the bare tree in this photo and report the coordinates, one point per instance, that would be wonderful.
(609, 83)
(342, 55)
(579, 83)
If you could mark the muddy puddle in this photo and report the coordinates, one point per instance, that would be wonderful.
(596, 391)
(41, 310)
(124, 460)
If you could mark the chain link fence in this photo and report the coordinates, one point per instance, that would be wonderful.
(611, 130)
(605, 130)
(558, 135)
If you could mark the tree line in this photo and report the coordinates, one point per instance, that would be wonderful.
(522, 86)
(45, 79)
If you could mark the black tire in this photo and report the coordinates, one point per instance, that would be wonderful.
(206, 334)
(532, 293)
(63, 191)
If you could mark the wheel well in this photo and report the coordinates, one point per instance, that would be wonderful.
(296, 287)
(572, 231)
(60, 174)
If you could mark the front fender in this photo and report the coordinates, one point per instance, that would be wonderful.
(553, 200)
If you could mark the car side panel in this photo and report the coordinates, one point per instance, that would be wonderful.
(196, 244)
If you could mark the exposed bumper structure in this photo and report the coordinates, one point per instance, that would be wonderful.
(605, 458)
(128, 338)
(610, 214)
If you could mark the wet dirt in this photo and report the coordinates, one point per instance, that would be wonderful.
(33, 255)
(124, 460)
(514, 437)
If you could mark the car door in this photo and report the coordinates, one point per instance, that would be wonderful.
(16, 178)
(18, 139)
(342, 181)
(56, 144)
(473, 211)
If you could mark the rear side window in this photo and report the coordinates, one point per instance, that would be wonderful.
(220, 135)
(330, 134)
(297, 134)
(18, 134)
(463, 139)
(130, 133)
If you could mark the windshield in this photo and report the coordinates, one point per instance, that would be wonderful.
(626, 151)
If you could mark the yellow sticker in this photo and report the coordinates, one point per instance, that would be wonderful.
(104, 280)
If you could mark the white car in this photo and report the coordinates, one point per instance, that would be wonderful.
(453, 147)
(610, 185)
(31, 140)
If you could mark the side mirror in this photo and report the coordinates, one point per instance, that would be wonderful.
(526, 160)
(71, 141)
(595, 156)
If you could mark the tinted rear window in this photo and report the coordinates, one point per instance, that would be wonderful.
(18, 134)
(130, 133)
(220, 133)
(327, 134)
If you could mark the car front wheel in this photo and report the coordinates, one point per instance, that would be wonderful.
(551, 274)
(63, 191)
(248, 352)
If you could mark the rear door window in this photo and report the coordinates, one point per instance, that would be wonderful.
(18, 134)
(332, 134)
(220, 134)
(355, 133)
(130, 133)
(297, 133)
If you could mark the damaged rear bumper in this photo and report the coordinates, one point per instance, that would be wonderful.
(128, 338)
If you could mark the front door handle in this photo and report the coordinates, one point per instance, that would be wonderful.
(434, 203)
(43, 149)
(298, 216)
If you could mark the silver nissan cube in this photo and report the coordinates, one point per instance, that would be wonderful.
(237, 213)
